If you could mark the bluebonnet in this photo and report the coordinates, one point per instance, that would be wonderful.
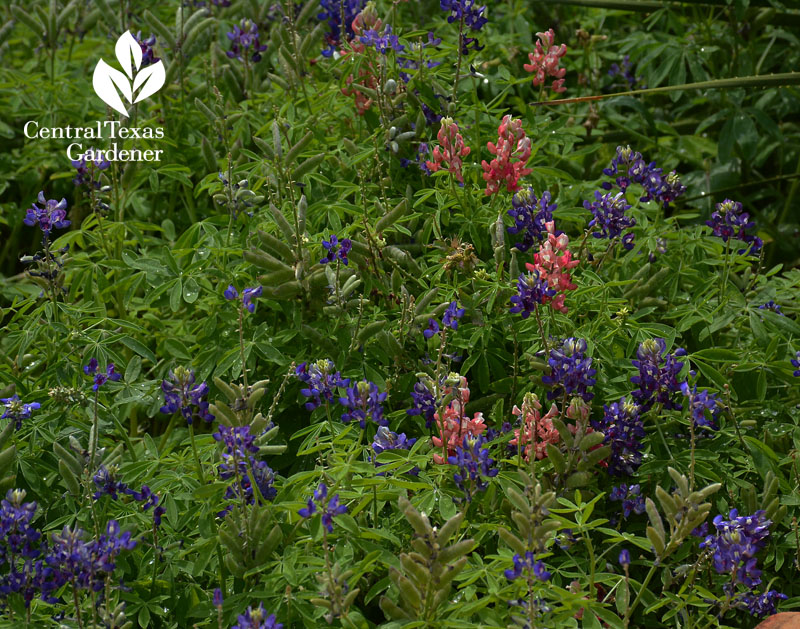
(100, 376)
(474, 465)
(433, 328)
(631, 498)
(730, 221)
(630, 167)
(796, 363)
(87, 170)
(699, 403)
(17, 536)
(609, 216)
(661, 247)
(336, 249)
(364, 401)
(736, 543)
(382, 43)
(332, 12)
(16, 411)
(239, 462)
(771, 305)
(528, 564)
(148, 54)
(217, 599)
(624, 558)
(468, 12)
(321, 379)
(181, 394)
(452, 315)
(385, 439)
(422, 156)
(531, 290)
(105, 480)
(410, 63)
(248, 294)
(761, 604)
(245, 41)
(658, 375)
(424, 402)
(530, 216)
(52, 215)
(626, 71)
(329, 510)
(624, 431)
(571, 370)
(256, 619)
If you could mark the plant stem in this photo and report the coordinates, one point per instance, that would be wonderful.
(626, 620)
(200, 474)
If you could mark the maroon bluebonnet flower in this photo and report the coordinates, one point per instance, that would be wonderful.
(332, 13)
(100, 377)
(245, 41)
(730, 221)
(624, 558)
(658, 375)
(336, 249)
(148, 54)
(52, 215)
(329, 510)
(256, 619)
(16, 411)
(364, 402)
(609, 216)
(528, 564)
(571, 370)
(624, 431)
(631, 498)
(796, 363)
(531, 290)
(699, 403)
(452, 315)
(530, 215)
(181, 394)
(736, 543)
(474, 465)
(322, 380)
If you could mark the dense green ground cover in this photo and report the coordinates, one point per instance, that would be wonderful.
(357, 326)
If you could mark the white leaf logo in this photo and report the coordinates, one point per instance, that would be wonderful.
(107, 80)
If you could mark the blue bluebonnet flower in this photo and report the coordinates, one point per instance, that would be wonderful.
(385, 439)
(761, 604)
(433, 328)
(100, 377)
(571, 370)
(699, 403)
(528, 564)
(631, 498)
(413, 62)
(468, 13)
(52, 215)
(796, 363)
(336, 249)
(626, 71)
(16, 411)
(630, 167)
(248, 294)
(107, 484)
(217, 600)
(661, 247)
(148, 54)
(329, 510)
(452, 315)
(256, 619)
(181, 394)
(736, 543)
(609, 216)
(245, 41)
(771, 305)
(624, 431)
(332, 13)
(321, 379)
(239, 463)
(474, 465)
(382, 43)
(88, 170)
(530, 215)
(422, 156)
(531, 290)
(730, 221)
(149, 499)
(364, 401)
(17, 536)
(624, 558)
(658, 375)
(424, 402)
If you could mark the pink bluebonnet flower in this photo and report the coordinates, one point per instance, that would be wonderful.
(530, 215)
(16, 411)
(544, 61)
(512, 151)
(181, 394)
(450, 150)
(245, 41)
(553, 263)
(100, 377)
(256, 619)
(455, 425)
(536, 430)
(52, 214)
